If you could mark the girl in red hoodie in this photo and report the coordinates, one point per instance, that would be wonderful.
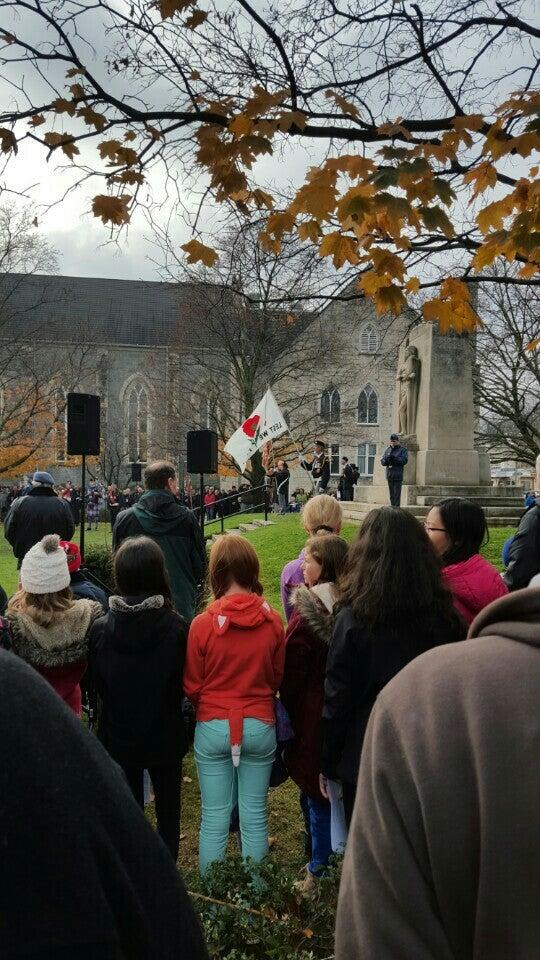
(234, 666)
(457, 529)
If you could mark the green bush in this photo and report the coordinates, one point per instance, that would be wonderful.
(257, 914)
(98, 560)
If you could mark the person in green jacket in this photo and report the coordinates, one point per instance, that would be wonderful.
(160, 515)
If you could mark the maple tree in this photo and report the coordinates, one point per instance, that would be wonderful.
(424, 139)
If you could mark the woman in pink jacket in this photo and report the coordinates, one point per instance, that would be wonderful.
(457, 529)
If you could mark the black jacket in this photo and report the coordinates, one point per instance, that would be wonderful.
(394, 459)
(161, 516)
(82, 874)
(524, 553)
(32, 517)
(359, 665)
(136, 660)
(82, 588)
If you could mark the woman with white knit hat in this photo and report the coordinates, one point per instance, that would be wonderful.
(46, 626)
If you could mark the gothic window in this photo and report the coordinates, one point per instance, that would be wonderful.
(331, 405)
(137, 423)
(368, 405)
(335, 459)
(369, 339)
(61, 424)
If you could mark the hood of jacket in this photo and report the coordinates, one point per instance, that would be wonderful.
(245, 610)
(515, 617)
(138, 623)
(472, 581)
(63, 641)
(157, 510)
(315, 606)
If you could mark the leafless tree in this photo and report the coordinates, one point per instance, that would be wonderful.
(508, 374)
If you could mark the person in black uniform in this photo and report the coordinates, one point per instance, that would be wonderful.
(319, 467)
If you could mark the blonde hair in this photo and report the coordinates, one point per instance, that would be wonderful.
(42, 608)
(322, 511)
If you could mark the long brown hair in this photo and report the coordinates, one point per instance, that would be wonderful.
(233, 560)
(394, 575)
(330, 551)
(42, 608)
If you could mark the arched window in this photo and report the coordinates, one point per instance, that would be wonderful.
(368, 405)
(137, 423)
(369, 339)
(331, 405)
(61, 424)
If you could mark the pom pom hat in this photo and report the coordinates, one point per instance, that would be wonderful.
(45, 568)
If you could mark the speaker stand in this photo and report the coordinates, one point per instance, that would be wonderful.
(83, 506)
(202, 504)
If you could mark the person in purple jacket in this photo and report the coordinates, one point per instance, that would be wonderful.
(321, 514)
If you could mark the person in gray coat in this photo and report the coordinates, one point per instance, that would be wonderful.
(34, 516)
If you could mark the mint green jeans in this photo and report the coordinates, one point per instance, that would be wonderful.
(223, 786)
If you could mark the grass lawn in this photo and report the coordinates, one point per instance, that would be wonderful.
(275, 546)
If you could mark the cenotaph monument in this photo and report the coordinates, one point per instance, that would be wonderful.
(434, 416)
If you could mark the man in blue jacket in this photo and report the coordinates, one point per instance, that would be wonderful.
(394, 459)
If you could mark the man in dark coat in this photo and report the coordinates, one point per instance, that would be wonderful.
(160, 515)
(347, 480)
(524, 550)
(394, 459)
(82, 874)
(37, 514)
(319, 467)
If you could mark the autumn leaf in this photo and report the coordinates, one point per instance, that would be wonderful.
(494, 214)
(200, 253)
(108, 149)
(345, 105)
(63, 140)
(8, 38)
(393, 129)
(130, 135)
(389, 299)
(309, 230)
(318, 196)
(387, 263)
(413, 285)
(61, 105)
(290, 320)
(482, 176)
(436, 219)
(529, 270)
(195, 20)
(262, 100)
(153, 132)
(92, 118)
(341, 248)
(194, 75)
(8, 142)
(241, 125)
(77, 90)
(279, 223)
(168, 8)
(471, 121)
(533, 345)
(37, 120)
(111, 209)
(292, 118)
(75, 71)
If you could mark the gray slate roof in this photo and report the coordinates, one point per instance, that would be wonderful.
(133, 312)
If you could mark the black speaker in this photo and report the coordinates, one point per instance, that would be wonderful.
(82, 424)
(202, 451)
(136, 471)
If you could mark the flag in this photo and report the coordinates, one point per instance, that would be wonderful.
(264, 424)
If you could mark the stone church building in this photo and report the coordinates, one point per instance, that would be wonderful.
(128, 341)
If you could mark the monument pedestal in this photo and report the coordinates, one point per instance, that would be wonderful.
(434, 398)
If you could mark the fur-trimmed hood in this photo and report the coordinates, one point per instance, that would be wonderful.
(63, 642)
(133, 605)
(315, 606)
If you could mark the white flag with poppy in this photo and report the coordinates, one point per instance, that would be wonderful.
(265, 423)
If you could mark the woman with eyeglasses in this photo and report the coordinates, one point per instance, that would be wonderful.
(457, 529)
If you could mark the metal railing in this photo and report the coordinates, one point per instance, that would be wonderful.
(259, 505)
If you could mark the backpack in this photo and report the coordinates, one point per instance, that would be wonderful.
(355, 473)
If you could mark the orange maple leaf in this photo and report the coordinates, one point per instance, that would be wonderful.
(199, 253)
(111, 209)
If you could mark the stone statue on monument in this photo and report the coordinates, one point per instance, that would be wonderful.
(409, 380)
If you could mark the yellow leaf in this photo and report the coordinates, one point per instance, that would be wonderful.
(168, 8)
(413, 285)
(293, 118)
(37, 120)
(268, 243)
(483, 176)
(200, 253)
(241, 125)
(112, 210)
(454, 288)
(262, 100)
(8, 142)
(494, 214)
(318, 196)
(533, 172)
(356, 203)
(195, 20)
(345, 105)
(393, 129)
(341, 248)
(309, 230)
(486, 254)
(389, 299)
(533, 345)
(471, 121)
(279, 223)
(529, 270)
(388, 263)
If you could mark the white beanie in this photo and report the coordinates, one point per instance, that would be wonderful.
(45, 568)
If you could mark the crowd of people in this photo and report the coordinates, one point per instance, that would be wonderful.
(399, 693)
